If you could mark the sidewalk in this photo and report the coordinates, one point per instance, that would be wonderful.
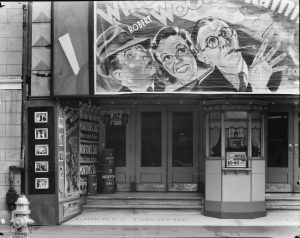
(145, 223)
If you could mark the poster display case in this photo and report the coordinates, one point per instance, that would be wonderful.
(77, 155)
(63, 149)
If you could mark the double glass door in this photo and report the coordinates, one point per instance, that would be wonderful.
(166, 149)
(283, 161)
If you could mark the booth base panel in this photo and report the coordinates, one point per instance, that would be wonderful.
(235, 210)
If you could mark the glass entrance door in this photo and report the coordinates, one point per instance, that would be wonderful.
(182, 149)
(151, 149)
(282, 150)
(166, 149)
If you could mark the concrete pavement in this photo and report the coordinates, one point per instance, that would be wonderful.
(162, 223)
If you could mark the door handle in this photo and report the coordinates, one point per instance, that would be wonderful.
(296, 148)
(290, 148)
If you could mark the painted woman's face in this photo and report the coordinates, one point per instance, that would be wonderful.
(174, 54)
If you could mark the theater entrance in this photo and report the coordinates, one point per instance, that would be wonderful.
(283, 165)
(157, 149)
(166, 151)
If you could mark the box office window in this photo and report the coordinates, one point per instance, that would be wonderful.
(234, 134)
(236, 131)
(256, 134)
(215, 134)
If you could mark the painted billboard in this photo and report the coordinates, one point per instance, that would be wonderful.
(204, 46)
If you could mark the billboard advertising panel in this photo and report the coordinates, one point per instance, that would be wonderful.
(71, 61)
(200, 46)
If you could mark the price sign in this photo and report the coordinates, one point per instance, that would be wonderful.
(236, 160)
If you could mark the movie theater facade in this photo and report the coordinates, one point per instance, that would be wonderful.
(192, 96)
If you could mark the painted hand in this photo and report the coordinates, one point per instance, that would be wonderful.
(263, 67)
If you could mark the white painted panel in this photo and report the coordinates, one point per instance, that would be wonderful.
(213, 187)
(213, 166)
(236, 187)
(258, 166)
(258, 187)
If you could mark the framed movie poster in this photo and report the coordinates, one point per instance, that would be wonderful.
(41, 166)
(41, 117)
(41, 133)
(41, 183)
(41, 150)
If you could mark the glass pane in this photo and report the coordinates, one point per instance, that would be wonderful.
(215, 134)
(116, 140)
(236, 132)
(182, 139)
(299, 139)
(256, 134)
(151, 139)
(278, 139)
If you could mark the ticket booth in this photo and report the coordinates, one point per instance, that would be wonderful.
(235, 159)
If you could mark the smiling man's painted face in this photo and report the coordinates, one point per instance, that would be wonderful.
(174, 54)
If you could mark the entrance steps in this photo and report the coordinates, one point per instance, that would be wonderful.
(176, 201)
(283, 201)
(145, 200)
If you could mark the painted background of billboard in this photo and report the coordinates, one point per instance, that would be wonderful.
(71, 48)
(254, 21)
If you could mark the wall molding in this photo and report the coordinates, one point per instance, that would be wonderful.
(11, 82)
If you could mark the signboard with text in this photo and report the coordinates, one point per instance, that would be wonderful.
(236, 160)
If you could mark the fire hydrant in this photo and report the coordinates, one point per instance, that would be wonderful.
(21, 222)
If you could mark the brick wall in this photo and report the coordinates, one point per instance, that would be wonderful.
(11, 46)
